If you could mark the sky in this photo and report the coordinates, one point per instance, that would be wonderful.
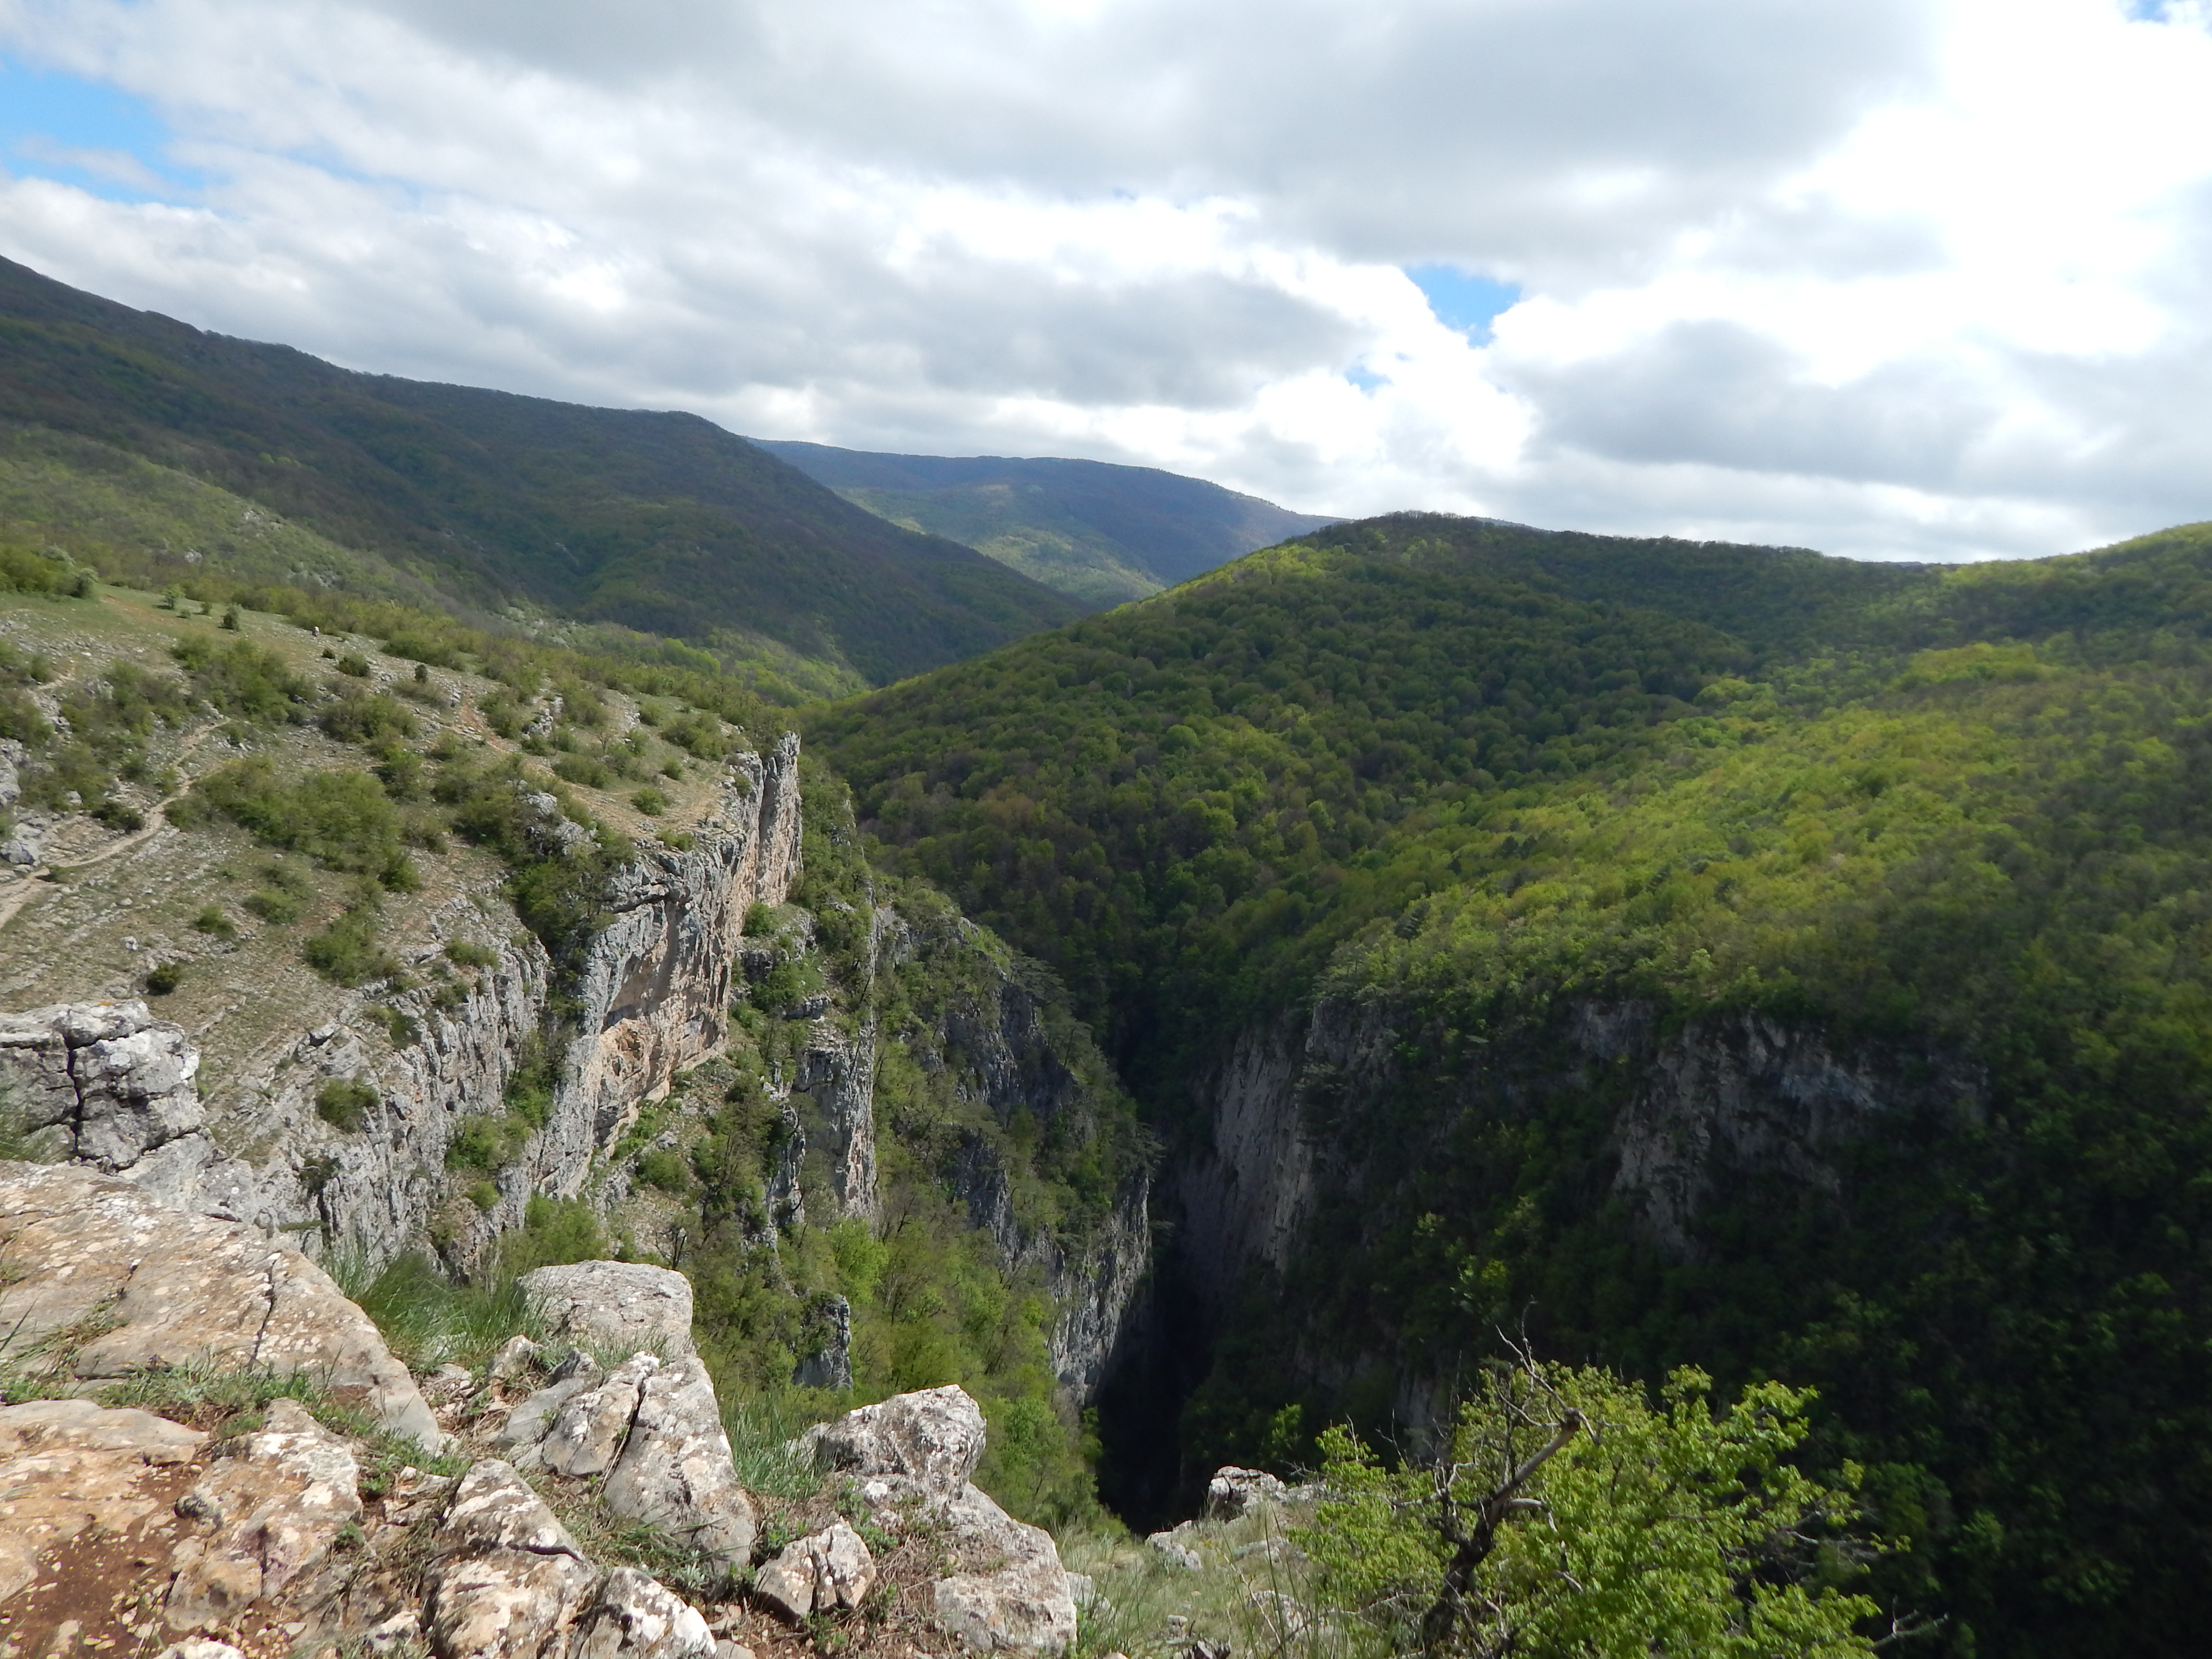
(1921, 279)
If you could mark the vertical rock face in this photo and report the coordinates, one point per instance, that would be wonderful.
(654, 988)
(1744, 1094)
(839, 1074)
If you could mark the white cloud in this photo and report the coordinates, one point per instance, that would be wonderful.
(1908, 278)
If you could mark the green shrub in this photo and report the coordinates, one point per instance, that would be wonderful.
(346, 1104)
(462, 953)
(348, 951)
(355, 664)
(665, 1168)
(484, 1196)
(165, 978)
(651, 802)
(211, 919)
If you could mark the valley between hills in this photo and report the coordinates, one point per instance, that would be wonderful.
(1726, 1022)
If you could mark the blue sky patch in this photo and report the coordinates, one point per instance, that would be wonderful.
(86, 133)
(1460, 301)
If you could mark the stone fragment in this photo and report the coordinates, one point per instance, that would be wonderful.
(415, 1496)
(588, 1432)
(512, 1363)
(524, 1430)
(933, 1438)
(275, 1504)
(199, 1647)
(178, 1289)
(1019, 1596)
(68, 1467)
(614, 1304)
(635, 1617)
(822, 1572)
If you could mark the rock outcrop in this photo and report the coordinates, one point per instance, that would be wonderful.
(917, 1451)
(652, 1432)
(614, 1304)
(105, 1279)
(69, 1469)
(655, 985)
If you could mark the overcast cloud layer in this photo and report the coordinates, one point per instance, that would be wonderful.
(1899, 278)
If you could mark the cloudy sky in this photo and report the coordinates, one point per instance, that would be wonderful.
(1899, 278)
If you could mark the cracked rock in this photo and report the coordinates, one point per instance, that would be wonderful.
(1234, 1493)
(170, 1289)
(655, 1430)
(822, 1572)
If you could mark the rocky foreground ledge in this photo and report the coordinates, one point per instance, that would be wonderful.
(208, 1452)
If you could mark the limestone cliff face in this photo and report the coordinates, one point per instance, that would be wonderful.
(1092, 1277)
(654, 989)
(116, 1085)
(1742, 1094)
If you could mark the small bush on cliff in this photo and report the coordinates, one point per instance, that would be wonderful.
(346, 1104)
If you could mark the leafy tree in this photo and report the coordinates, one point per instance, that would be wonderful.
(1569, 1517)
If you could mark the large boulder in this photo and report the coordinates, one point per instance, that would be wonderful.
(614, 1304)
(654, 1430)
(1234, 1493)
(104, 1280)
(933, 1438)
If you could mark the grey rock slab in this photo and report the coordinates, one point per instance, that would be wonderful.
(589, 1431)
(614, 1304)
(1174, 1551)
(676, 1472)
(1019, 1595)
(933, 1438)
(507, 1582)
(169, 1289)
(822, 1572)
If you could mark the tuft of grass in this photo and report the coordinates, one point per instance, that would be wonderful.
(763, 1435)
(430, 1320)
(211, 919)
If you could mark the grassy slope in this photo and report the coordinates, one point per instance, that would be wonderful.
(661, 522)
(1102, 533)
(1475, 774)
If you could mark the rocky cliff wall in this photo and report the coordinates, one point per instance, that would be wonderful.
(110, 1085)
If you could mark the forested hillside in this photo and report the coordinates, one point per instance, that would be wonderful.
(1098, 532)
(1702, 954)
(661, 522)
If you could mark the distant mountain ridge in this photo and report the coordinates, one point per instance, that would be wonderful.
(1095, 531)
(660, 521)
